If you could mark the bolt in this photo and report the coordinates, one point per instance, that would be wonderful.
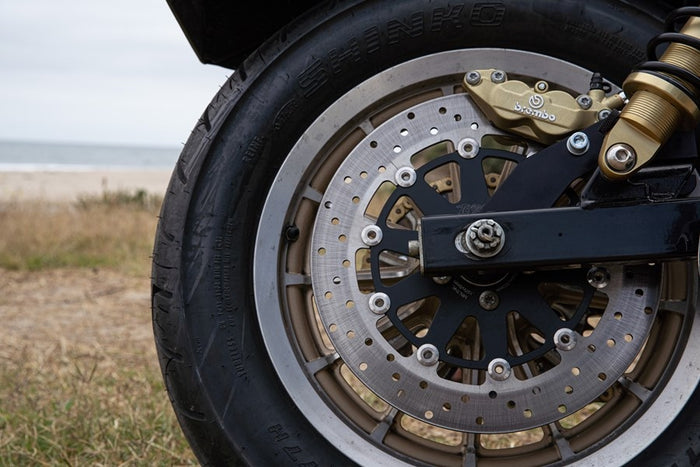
(603, 114)
(541, 86)
(414, 248)
(291, 233)
(584, 101)
(442, 280)
(405, 177)
(427, 354)
(468, 148)
(473, 78)
(499, 369)
(598, 277)
(565, 339)
(498, 76)
(371, 235)
(379, 303)
(578, 143)
(620, 157)
(488, 300)
(484, 238)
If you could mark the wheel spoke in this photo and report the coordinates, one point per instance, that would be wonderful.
(321, 363)
(380, 431)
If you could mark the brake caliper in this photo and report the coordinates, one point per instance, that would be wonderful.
(536, 111)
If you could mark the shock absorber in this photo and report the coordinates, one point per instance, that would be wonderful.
(664, 97)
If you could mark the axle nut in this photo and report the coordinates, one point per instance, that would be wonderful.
(484, 238)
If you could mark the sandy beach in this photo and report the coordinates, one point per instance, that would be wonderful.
(69, 186)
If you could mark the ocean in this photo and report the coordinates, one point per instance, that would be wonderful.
(18, 156)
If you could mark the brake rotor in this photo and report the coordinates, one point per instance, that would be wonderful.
(476, 353)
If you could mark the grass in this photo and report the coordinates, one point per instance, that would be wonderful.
(79, 377)
(113, 230)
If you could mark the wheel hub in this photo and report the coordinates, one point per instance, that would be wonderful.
(494, 353)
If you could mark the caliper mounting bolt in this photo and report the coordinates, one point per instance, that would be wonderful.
(473, 78)
(578, 143)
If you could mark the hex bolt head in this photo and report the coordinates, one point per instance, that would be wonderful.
(620, 157)
(405, 177)
(498, 76)
(427, 354)
(578, 143)
(499, 369)
(473, 78)
(565, 339)
(371, 235)
(598, 277)
(584, 101)
(442, 280)
(379, 303)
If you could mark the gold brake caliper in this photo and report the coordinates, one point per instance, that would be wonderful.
(536, 112)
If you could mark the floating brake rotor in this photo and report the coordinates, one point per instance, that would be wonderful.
(480, 352)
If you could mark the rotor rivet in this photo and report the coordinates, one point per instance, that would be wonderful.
(484, 238)
(371, 235)
(468, 148)
(584, 101)
(598, 277)
(565, 339)
(489, 300)
(405, 177)
(473, 78)
(498, 76)
(427, 354)
(499, 369)
(379, 303)
(620, 157)
(578, 143)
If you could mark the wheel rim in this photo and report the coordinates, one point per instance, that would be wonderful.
(314, 307)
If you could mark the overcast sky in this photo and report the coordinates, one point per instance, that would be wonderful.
(95, 71)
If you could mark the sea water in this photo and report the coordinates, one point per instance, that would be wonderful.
(18, 156)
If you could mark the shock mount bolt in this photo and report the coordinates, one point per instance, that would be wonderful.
(620, 157)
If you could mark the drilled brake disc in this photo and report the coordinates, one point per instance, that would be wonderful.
(476, 353)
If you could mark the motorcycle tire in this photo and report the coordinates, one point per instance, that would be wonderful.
(250, 372)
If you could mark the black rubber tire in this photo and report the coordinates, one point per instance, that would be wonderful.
(230, 403)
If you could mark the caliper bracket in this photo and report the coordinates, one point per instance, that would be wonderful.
(567, 236)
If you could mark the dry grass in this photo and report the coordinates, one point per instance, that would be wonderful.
(79, 378)
(113, 230)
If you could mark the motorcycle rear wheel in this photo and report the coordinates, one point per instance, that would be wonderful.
(246, 355)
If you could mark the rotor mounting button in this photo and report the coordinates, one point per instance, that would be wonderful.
(371, 235)
(499, 369)
(473, 78)
(565, 339)
(379, 303)
(484, 238)
(489, 300)
(468, 148)
(578, 143)
(427, 354)
(620, 157)
(498, 76)
(598, 277)
(405, 177)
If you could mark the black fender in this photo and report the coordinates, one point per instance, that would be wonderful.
(225, 32)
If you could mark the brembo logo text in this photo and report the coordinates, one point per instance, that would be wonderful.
(535, 103)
